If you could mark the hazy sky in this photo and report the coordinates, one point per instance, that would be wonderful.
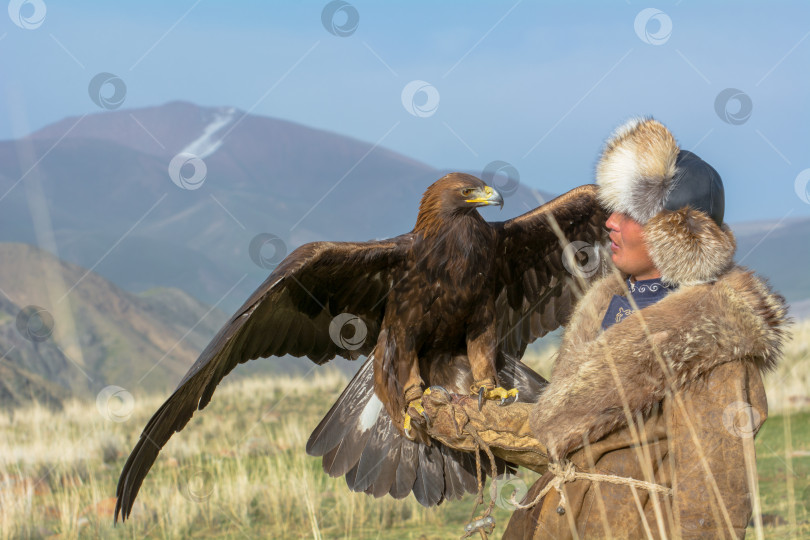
(536, 84)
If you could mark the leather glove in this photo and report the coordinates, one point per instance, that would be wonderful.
(505, 429)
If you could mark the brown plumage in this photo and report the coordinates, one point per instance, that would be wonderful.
(453, 302)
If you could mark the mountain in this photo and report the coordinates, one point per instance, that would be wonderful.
(778, 250)
(66, 331)
(130, 264)
(96, 190)
(22, 359)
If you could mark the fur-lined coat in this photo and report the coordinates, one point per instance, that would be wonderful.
(672, 395)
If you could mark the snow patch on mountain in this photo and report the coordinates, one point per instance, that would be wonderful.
(207, 143)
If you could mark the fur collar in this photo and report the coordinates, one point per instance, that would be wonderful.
(600, 376)
(688, 247)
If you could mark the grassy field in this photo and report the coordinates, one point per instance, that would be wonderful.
(239, 469)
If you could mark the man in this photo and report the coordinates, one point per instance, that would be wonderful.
(657, 385)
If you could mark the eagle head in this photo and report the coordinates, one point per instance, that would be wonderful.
(452, 195)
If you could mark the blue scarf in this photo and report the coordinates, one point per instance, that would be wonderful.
(645, 292)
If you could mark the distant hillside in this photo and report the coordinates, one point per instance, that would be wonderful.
(780, 251)
(19, 387)
(101, 334)
(101, 183)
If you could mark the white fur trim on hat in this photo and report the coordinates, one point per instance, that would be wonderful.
(636, 169)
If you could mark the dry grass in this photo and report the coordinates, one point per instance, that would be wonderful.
(239, 469)
(788, 388)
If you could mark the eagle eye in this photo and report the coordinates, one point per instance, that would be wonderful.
(467, 191)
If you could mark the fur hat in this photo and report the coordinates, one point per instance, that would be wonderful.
(677, 196)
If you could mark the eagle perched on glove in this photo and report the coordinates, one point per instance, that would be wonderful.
(454, 303)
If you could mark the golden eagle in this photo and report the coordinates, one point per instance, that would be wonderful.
(453, 303)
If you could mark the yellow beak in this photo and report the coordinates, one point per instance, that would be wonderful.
(486, 196)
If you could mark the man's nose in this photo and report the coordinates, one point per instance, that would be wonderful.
(612, 222)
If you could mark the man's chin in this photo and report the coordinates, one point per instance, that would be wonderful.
(619, 263)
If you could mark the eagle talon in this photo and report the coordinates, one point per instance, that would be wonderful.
(512, 396)
(421, 409)
(507, 397)
(440, 389)
(407, 427)
(417, 406)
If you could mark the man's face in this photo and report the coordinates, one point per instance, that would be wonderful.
(629, 251)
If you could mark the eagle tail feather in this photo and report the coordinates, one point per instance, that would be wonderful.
(358, 440)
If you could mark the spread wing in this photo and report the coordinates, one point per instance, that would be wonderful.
(292, 312)
(547, 258)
